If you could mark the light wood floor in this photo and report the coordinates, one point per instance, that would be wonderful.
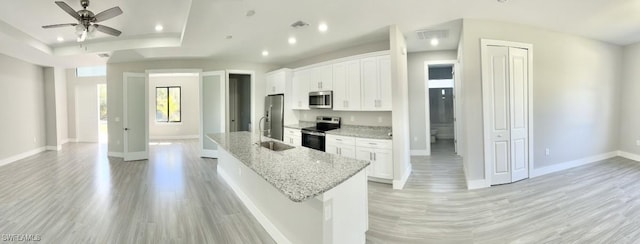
(77, 195)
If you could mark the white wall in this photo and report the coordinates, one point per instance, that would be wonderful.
(114, 86)
(22, 121)
(87, 131)
(576, 87)
(190, 108)
(400, 116)
(416, 71)
(630, 90)
(56, 107)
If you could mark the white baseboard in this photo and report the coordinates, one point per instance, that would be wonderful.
(65, 141)
(634, 157)
(22, 155)
(72, 140)
(419, 153)
(399, 184)
(572, 164)
(182, 137)
(54, 148)
(477, 184)
(115, 154)
(262, 219)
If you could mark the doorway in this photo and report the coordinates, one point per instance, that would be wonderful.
(441, 107)
(239, 102)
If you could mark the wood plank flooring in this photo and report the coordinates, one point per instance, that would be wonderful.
(78, 195)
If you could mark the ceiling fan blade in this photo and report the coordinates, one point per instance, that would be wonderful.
(107, 30)
(64, 6)
(59, 25)
(108, 14)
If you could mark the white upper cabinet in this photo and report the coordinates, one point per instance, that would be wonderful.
(300, 90)
(276, 81)
(321, 78)
(346, 86)
(376, 83)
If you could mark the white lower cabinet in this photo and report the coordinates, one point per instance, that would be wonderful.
(378, 152)
(292, 137)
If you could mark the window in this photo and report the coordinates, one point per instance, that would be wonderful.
(91, 71)
(168, 104)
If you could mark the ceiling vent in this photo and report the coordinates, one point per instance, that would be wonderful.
(103, 55)
(299, 24)
(430, 34)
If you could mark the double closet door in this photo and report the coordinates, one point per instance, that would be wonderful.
(506, 90)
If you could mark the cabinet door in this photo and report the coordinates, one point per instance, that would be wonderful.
(347, 151)
(331, 149)
(326, 77)
(366, 154)
(279, 80)
(340, 87)
(300, 95)
(313, 79)
(383, 164)
(353, 86)
(370, 83)
(384, 74)
(270, 84)
(288, 139)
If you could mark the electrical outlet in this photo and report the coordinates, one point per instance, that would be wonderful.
(546, 151)
(638, 143)
(35, 139)
(353, 118)
(379, 119)
(117, 119)
(415, 138)
(118, 142)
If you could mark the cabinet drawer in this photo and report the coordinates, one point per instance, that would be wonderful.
(374, 143)
(344, 140)
(292, 132)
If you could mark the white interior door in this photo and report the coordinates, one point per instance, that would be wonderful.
(506, 108)
(213, 110)
(135, 119)
(496, 113)
(519, 83)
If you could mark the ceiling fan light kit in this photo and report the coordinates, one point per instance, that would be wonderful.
(87, 20)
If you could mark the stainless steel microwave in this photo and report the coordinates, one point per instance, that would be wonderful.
(321, 99)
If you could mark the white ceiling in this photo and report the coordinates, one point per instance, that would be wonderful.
(196, 28)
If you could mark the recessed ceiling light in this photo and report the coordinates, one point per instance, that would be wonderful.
(265, 53)
(435, 42)
(251, 13)
(159, 27)
(292, 40)
(60, 39)
(228, 37)
(323, 27)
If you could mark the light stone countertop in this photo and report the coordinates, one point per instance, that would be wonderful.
(369, 132)
(302, 124)
(299, 173)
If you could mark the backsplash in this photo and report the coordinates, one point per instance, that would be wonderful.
(348, 117)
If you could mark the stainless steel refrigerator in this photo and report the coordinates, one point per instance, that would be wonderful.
(274, 110)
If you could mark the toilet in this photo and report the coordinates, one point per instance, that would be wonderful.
(434, 132)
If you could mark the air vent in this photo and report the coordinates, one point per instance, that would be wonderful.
(430, 34)
(103, 55)
(299, 24)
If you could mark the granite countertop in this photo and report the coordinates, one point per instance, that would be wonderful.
(299, 173)
(302, 124)
(370, 132)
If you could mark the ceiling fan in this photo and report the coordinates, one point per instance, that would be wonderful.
(87, 20)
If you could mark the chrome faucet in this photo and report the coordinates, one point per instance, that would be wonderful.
(260, 131)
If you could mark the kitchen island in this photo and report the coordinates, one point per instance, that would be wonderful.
(299, 195)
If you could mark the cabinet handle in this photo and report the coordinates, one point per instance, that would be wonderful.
(374, 157)
(371, 143)
(347, 103)
(371, 156)
(320, 84)
(339, 151)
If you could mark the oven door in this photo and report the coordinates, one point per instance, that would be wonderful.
(320, 99)
(313, 140)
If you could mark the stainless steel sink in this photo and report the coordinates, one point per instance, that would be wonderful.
(275, 146)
